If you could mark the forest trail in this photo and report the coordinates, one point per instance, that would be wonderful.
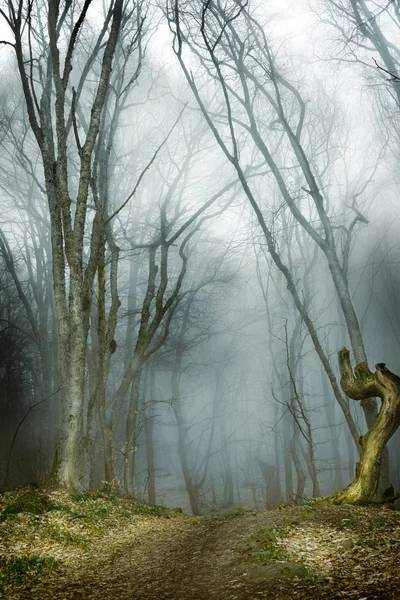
(177, 557)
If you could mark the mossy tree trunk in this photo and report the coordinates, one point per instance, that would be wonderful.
(359, 385)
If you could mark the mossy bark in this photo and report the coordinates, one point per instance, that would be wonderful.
(358, 385)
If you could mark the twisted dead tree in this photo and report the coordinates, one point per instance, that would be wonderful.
(360, 384)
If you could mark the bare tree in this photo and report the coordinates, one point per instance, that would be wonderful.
(366, 27)
(45, 43)
(167, 252)
(233, 50)
(299, 412)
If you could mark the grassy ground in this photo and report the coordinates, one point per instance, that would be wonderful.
(54, 545)
(42, 531)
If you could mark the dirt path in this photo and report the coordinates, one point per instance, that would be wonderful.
(207, 558)
(179, 558)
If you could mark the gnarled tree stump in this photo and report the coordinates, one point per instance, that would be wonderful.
(360, 385)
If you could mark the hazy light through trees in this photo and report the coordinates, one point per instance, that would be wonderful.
(199, 209)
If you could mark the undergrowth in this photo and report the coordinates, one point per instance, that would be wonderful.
(41, 530)
(18, 569)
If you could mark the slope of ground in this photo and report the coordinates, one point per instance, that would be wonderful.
(57, 547)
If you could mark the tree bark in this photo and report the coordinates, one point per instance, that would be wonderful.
(273, 493)
(131, 426)
(51, 126)
(301, 477)
(148, 430)
(335, 432)
(192, 487)
(358, 385)
(287, 458)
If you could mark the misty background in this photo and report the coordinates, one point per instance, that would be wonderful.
(203, 383)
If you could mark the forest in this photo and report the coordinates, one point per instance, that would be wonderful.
(199, 266)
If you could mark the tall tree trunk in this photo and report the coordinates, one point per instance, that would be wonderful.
(335, 433)
(297, 408)
(191, 487)
(148, 430)
(273, 493)
(287, 458)
(73, 369)
(48, 112)
(226, 457)
(353, 327)
(351, 460)
(151, 480)
(237, 481)
(131, 427)
(301, 477)
(228, 485)
(106, 347)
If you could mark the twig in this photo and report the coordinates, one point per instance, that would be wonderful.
(147, 167)
(392, 75)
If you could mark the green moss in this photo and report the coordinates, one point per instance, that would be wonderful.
(362, 375)
(30, 502)
(59, 507)
(235, 512)
(150, 509)
(78, 497)
(264, 547)
(17, 569)
(66, 537)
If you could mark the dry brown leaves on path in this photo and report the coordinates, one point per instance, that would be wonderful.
(311, 552)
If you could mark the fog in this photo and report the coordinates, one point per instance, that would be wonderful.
(199, 210)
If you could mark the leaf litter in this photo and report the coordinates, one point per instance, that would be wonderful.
(96, 545)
